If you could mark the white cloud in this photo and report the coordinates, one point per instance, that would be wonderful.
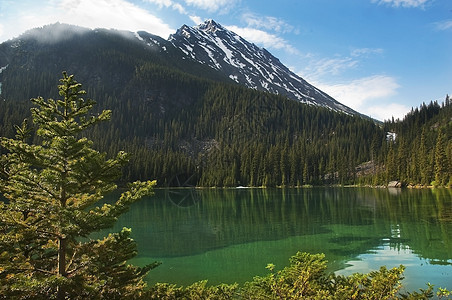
(179, 8)
(402, 3)
(118, 14)
(161, 3)
(357, 92)
(444, 25)
(212, 5)
(316, 69)
(197, 20)
(263, 38)
(321, 68)
(366, 51)
(387, 111)
(169, 4)
(368, 95)
(268, 23)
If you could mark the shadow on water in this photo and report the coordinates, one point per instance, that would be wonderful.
(183, 197)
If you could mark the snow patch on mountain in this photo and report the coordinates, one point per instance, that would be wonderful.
(245, 63)
(137, 35)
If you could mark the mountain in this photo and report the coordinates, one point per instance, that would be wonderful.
(207, 50)
(100, 56)
(211, 44)
(184, 121)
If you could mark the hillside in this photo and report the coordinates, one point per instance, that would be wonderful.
(208, 50)
(247, 64)
(186, 123)
(421, 153)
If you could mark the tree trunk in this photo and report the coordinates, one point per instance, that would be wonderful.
(61, 294)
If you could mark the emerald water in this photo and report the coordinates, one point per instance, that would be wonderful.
(230, 235)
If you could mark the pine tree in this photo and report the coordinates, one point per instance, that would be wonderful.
(52, 190)
(423, 159)
(441, 162)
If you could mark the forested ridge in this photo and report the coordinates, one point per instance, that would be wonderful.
(214, 134)
(421, 153)
(185, 124)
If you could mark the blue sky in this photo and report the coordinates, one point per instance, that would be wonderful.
(380, 57)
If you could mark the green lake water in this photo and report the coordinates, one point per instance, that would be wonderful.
(230, 235)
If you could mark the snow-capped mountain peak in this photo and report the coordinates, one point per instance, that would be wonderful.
(210, 26)
(212, 44)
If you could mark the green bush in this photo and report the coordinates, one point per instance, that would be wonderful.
(304, 278)
(198, 290)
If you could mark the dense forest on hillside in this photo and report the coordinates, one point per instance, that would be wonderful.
(421, 153)
(215, 134)
(186, 125)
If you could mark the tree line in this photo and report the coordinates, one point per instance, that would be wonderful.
(185, 123)
(421, 153)
(182, 129)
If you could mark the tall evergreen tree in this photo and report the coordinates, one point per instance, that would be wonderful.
(423, 160)
(441, 163)
(52, 191)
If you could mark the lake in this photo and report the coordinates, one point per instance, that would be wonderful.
(230, 235)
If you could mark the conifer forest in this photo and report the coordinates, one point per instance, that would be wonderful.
(214, 134)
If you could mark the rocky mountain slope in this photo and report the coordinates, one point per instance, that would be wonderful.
(207, 50)
(211, 44)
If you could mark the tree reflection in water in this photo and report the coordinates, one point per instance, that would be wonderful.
(207, 229)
